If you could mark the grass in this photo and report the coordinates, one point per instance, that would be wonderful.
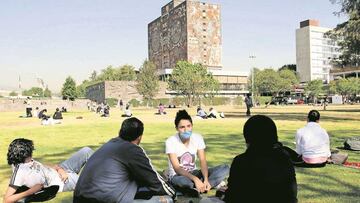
(223, 138)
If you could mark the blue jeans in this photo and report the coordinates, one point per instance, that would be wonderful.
(73, 166)
(216, 175)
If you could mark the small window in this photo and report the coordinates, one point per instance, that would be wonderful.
(204, 30)
(204, 42)
(204, 36)
(204, 23)
(204, 11)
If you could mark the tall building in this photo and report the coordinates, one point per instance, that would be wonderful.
(186, 30)
(314, 52)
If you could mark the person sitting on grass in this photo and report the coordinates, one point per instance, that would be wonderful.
(212, 113)
(182, 150)
(42, 114)
(313, 145)
(161, 109)
(57, 115)
(34, 175)
(120, 171)
(264, 173)
(127, 112)
(201, 113)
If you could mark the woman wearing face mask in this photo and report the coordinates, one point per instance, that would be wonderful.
(182, 149)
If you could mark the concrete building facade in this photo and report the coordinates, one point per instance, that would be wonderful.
(186, 30)
(314, 51)
(125, 90)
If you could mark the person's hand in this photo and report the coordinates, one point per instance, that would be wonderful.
(207, 185)
(200, 186)
(63, 175)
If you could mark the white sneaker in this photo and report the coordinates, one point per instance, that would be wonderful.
(221, 184)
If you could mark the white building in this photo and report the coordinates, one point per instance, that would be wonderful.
(314, 52)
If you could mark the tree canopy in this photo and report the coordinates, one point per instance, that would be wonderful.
(192, 81)
(147, 81)
(347, 34)
(68, 90)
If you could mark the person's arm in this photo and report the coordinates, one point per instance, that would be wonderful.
(11, 197)
(145, 175)
(200, 186)
(299, 147)
(204, 169)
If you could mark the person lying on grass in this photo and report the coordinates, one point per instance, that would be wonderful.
(34, 175)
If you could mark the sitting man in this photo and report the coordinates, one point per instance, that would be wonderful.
(34, 175)
(264, 173)
(212, 113)
(182, 150)
(312, 142)
(120, 170)
(42, 114)
(201, 113)
(57, 115)
(127, 112)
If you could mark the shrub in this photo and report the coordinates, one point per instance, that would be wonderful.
(215, 101)
(262, 99)
(238, 100)
(135, 103)
(112, 102)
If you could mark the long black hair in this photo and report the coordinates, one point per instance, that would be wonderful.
(19, 150)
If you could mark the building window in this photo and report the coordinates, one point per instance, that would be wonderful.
(204, 30)
(204, 36)
(204, 23)
(204, 42)
(203, 11)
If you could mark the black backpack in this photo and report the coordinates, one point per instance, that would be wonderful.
(352, 144)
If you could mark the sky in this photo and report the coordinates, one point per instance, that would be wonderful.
(55, 39)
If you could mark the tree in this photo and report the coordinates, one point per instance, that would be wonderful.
(191, 80)
(291, 67)
(287, 80)
(68, 90)
(34, 91)
(314, 88)
(147, 81)
(266, 81)
(127, 73)
(13, 94)
(47, 92)
(347, 34)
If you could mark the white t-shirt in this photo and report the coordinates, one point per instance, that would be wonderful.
(32, 173)
(312, 141)
(185, 154)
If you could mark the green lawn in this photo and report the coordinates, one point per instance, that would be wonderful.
(223, 137)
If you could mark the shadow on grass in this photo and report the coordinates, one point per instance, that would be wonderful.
(290, 116)
(331, 186)
(345, 110)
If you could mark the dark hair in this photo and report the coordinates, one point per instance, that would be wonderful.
(313, 116)
(131, 129)
(57, 109)
(260, 131)
(182, 115)
(19, 150)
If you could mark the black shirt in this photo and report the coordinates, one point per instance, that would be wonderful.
(265, 175)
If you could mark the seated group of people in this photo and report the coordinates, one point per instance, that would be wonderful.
(212, 113)
(48, 120)
(121, 171)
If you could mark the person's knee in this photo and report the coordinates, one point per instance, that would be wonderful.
(87, 151)
(182, 181)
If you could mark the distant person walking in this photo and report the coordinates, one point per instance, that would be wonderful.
(249, 104)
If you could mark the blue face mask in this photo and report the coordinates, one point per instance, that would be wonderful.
(185, 135)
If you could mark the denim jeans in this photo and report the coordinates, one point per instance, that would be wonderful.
(73, 166)
(216, 175)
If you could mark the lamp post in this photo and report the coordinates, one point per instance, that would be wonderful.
(252, 75)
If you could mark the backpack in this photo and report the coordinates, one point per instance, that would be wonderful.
(352, 144)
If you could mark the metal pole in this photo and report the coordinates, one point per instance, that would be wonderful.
(252, 76)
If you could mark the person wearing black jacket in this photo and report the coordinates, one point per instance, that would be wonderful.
(119, 170)
(264, 173)
(57, 115)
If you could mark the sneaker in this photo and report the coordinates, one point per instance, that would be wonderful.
(221, 184)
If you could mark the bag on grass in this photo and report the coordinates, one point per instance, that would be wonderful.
(352, 144)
